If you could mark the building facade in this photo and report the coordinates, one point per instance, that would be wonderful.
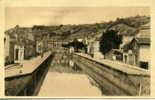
(9, 44)
(138, 50)
(18, 53)
(94, 49)
(19, 44)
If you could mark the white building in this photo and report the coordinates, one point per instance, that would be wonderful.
(6, 45)
(71, 49)
(139, 49)
(9, 48)
(95, 49)
(18, 53)
(39, 47)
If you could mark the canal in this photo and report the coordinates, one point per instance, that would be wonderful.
(65, 79)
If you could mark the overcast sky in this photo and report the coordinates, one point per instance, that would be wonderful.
(30, 16)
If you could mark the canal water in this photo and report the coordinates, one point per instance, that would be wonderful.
(65, 79)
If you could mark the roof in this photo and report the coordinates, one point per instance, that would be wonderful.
(139, 41)
(97, 38)
(145, 26)
(143, 41)
(144, 34)
(116, 51)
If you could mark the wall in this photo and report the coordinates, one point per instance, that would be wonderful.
(144, 55)
(20, 53)
(94, 49)
(39, 46)
(8, 50)
(115, 82)
(144, 51)
(28, 84)
(7, 45)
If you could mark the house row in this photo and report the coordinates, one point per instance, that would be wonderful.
(20, 44)
(135, 49)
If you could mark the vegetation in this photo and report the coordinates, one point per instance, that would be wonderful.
(77, 45)
(110, 40)
(129, 25)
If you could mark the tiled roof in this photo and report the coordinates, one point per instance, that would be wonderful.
(144, 34)
(143, 40)
(145, 26)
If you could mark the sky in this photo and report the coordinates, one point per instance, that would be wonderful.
(29, 16)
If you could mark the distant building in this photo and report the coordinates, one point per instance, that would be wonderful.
(95, 49)
(18, 53)
(39, 46)
(71, 49)
(29, 49)
(80, 40)
(114, 54)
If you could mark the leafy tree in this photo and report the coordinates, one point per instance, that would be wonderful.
(76, 44)
(110, 40)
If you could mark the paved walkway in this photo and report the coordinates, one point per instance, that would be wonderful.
(28, 66)
(67, 85)
(119, 65)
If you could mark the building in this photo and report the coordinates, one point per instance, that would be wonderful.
(126, 38)
(39, 46)
(25, 43)
(19, 44)
(94, 49)
(140, 52)
(114, 54)
(137, 52)
(9, 43)
(71, 49)
(29, 49)
(18, 53)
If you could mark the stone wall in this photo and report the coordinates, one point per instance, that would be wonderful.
(112, 81)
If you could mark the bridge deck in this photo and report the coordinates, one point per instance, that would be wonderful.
(28, 66)
(129, 69)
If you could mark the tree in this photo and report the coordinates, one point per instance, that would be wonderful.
(76, 45)
(110, 40)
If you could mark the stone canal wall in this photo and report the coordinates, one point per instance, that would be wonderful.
(28, 84)
(114, 79)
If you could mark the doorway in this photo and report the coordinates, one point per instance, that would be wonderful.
(16, 55)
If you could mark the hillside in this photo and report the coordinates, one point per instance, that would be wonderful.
(125, 26)
(128, 26)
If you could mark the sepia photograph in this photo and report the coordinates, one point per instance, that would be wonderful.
(77, 51)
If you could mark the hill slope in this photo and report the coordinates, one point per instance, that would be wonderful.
(128, 25)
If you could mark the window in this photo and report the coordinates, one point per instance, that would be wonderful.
(144, 64)
(16, 56)
(4, 40)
